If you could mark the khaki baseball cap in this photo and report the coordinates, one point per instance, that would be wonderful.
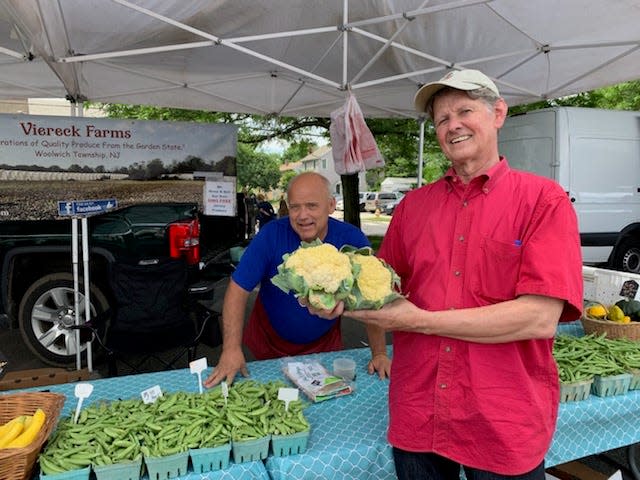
(459, 79)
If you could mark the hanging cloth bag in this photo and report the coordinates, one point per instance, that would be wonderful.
(353, 146)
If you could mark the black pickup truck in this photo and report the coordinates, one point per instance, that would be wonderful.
(36, 274)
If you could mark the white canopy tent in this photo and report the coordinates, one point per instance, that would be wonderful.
(299, 57)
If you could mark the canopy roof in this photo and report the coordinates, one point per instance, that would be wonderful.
(297, 57)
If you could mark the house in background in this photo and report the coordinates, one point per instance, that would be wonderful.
(46, 106)
(321, 161)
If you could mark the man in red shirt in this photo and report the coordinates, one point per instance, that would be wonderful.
(490, 261)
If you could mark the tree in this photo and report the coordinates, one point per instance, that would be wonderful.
(623, 96)
(190, 164)
(155, 169)
(285, 179)
(397, 139)
(257, 170)
(298, 149)
(252, 129)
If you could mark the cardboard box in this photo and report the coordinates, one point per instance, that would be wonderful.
(40, 377)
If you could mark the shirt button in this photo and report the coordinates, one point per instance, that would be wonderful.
(485, 190)
(461, 238)
(464, 204)
(447, 348)
(457, 274)
(443, 386)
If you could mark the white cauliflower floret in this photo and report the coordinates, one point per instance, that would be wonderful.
(322, 267)
(374, 280)
(316, 272)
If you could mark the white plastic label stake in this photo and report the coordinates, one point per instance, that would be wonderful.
(150, 395)
(82, 391)
(198, 366)
(287, 395)
(225, 391)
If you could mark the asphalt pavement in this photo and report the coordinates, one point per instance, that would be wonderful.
(370, 223)
(21, 358)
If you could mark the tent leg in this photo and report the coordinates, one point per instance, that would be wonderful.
(421, 151)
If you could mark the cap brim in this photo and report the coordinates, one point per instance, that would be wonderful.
(424, 94)
(430, 89)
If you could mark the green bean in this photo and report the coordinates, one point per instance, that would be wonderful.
(579, 358)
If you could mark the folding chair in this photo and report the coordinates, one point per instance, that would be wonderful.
(155, 320)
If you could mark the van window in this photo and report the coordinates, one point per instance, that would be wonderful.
(388, 196)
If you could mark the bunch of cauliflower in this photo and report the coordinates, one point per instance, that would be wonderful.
(323, 275)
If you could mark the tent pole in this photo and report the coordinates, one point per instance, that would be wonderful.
(345, 42)
(421, 121)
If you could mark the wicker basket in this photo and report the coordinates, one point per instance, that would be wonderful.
(17, 463)
(612, 329)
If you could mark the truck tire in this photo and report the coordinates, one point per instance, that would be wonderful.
(627, 256)
(47, 311)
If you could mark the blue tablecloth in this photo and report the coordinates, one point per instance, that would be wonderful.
(348, 435)
(594, 425)
(171, 381)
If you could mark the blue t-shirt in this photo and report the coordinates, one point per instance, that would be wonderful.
(260, 262)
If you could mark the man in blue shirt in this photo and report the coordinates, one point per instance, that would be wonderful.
(278, 325)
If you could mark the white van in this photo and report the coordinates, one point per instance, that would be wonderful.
(595, 155)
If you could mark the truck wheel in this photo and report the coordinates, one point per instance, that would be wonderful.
(627, 257)
(46, 312)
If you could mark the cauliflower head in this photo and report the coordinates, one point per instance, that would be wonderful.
(376, 283)
(317, 272)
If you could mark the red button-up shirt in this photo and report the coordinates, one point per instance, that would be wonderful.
(508, 233)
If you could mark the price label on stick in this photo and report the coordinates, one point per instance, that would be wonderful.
(198, 366)
(225, 391)
(288, 395)
(150, 395)
(82, 391)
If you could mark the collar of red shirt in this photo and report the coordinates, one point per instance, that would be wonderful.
(488, 179)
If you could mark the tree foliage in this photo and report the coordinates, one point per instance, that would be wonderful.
(257, 170)
(623, 96)
(298, 149)
(397, 139)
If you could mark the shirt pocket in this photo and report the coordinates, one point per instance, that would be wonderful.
(496, 274)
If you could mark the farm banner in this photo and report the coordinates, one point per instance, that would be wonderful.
(48, 159)
(98, 145)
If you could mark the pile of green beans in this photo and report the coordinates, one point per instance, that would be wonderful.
(124, 430)
(582, 358)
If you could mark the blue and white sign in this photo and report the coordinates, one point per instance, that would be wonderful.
(85, 207)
